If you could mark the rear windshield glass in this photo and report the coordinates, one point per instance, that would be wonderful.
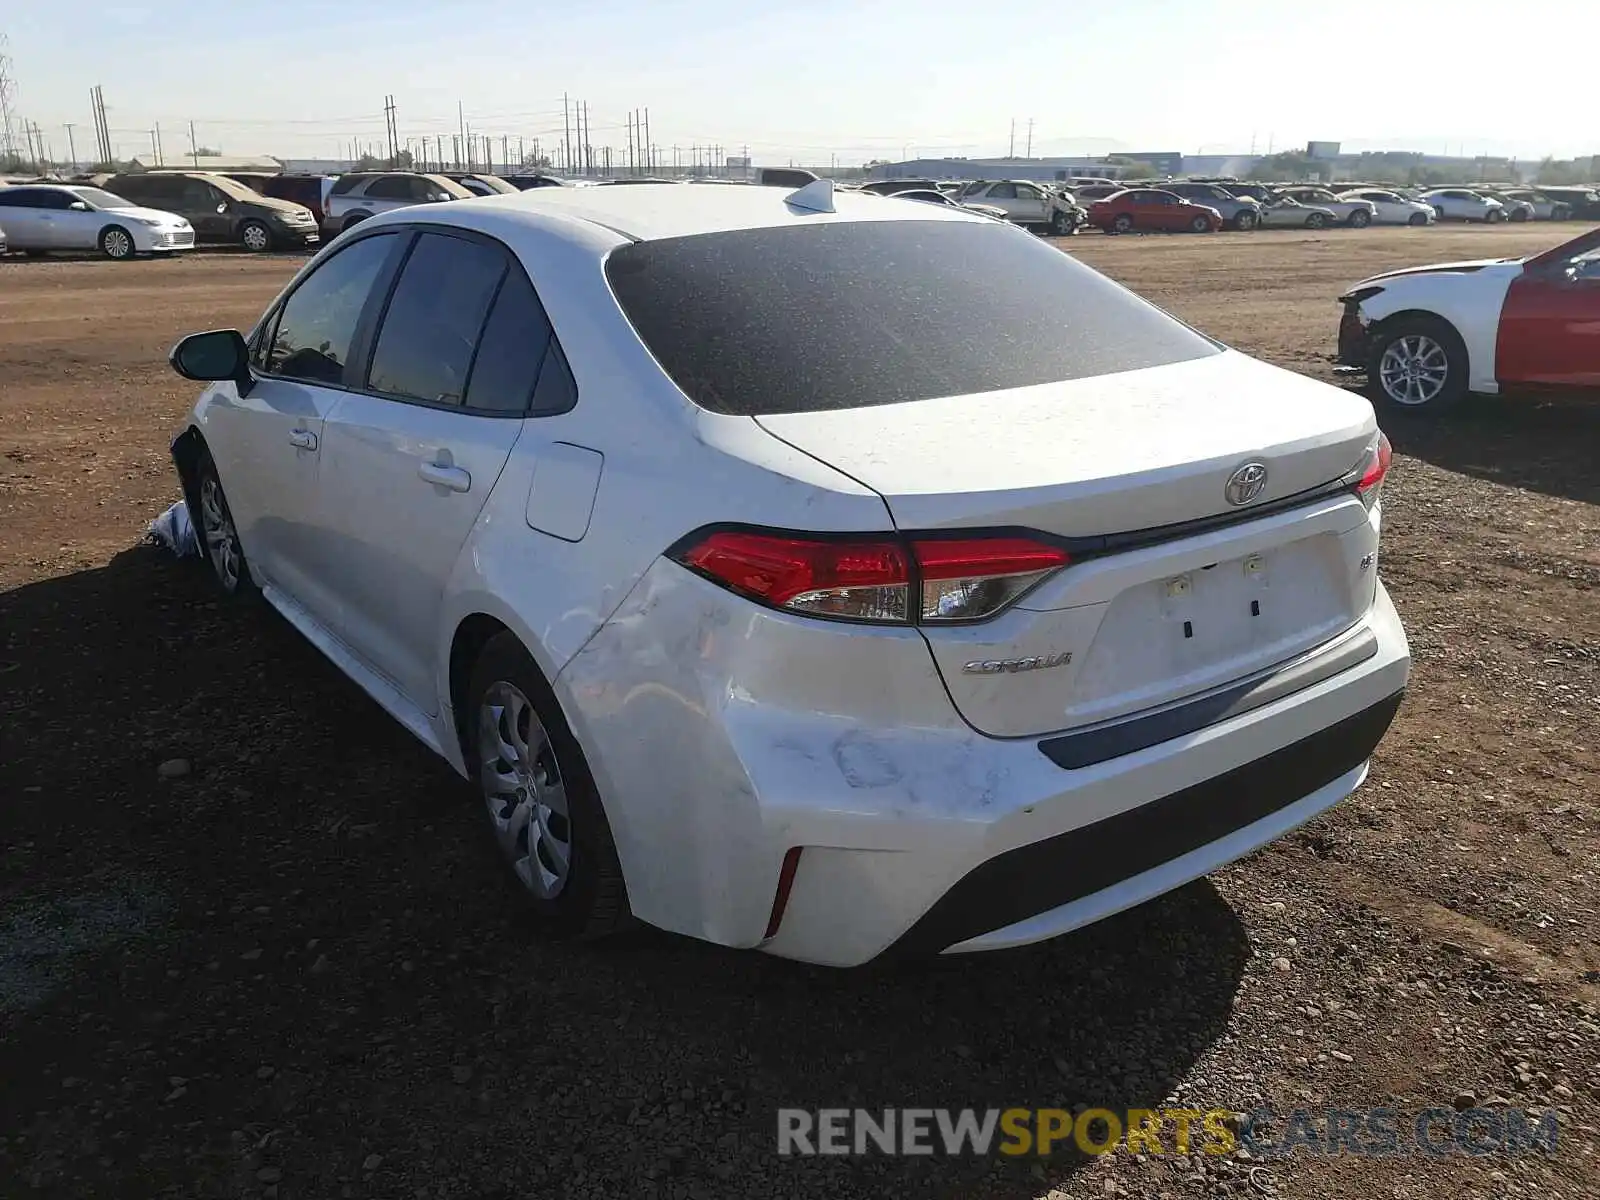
(849, 315)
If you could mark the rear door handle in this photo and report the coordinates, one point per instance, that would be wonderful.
(457, 479)
(302, 439)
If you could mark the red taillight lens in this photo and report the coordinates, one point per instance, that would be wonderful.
(1368, 477)
(973, 578)
(864, 581)
(964, 579)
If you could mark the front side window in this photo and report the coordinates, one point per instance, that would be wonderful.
(430, 332)
(100, 199)
(319, 319)
(805, 318)
(1003, 191)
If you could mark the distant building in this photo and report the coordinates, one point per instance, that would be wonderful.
(211, 162)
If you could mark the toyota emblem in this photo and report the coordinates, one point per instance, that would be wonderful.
(1245, 484)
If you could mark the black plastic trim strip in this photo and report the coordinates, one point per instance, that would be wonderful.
(1043, 875)
(1100, 743)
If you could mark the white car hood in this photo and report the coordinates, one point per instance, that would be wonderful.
(1494, 267)
(149, 214)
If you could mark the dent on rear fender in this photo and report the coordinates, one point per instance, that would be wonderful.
(721, 734)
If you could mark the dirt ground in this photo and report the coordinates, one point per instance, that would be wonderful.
(289, 970)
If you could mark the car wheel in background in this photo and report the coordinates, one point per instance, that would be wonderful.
(1200, 225)
(1061, 225)
(255, 237)
(539, 796)
(1360, 219)
(1520, 214)
(1244, 221)
(1495, 216)
(352, 220)
(1316, 221)
(1122, 223)
(116, 243)
(1417, 219)
(1418, 366)
(219, 538)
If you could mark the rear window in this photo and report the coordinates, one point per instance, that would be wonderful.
(851, 315)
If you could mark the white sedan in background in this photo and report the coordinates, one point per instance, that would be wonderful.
(1392, 208)
(1350, 211)
(656, 512)
(1459, 204)
(42, 217)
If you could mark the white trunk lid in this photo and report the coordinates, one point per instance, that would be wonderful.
(1121, 454)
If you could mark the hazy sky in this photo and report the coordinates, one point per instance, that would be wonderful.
(859, 78)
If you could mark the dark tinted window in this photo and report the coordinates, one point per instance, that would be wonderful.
(347, 183)
(1003, 191)
(557, 392)
(319, 320)
(425, 347)
(847, 315)
(34, 198)
(511, 350)
(390, 187)
(197, 193)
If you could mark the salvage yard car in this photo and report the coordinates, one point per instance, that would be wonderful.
(41, 218)
(655, 511)
(1349, 210)
(1031, 205)
(1285, 212)
(1426, 336)
(1458, 204)
(1391, 208)
(1143, 209)
(1238, 212)
(221, 210)
(355, 198)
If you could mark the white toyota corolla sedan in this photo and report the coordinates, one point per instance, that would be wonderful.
(800, 571)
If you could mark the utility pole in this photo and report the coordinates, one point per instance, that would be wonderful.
(649, 146)
(629, 121)
(1030, 137)
(1011, 150)
(194, 147)
(461, 128)
(8, 96)
(72, 149)
(566, 137)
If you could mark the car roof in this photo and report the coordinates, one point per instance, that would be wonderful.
(650, 213)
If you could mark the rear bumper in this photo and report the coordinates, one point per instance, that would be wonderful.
(760, 733)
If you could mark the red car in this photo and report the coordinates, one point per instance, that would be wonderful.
(1152, 208)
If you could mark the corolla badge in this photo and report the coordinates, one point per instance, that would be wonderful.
(1010, 666)
(1246, 482)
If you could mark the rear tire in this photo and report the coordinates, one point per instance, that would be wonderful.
(529, 768)
(1430, 344)
(1122, 223)
(352, 221)
(116, 243)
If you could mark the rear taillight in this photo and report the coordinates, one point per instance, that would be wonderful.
(1367, 477)
(854, 579)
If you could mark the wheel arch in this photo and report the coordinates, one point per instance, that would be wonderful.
(472, 633)
(187, 448)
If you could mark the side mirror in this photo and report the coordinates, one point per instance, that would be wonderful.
(79, 206)
(216, 355)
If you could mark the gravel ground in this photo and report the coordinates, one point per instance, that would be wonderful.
(251, 943)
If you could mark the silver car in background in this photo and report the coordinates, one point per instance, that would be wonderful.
(1238, 212)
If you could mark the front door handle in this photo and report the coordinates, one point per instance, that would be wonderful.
(302, 439)
(457, 479)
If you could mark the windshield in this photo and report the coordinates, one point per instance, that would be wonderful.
(101, 199)
(806, 318)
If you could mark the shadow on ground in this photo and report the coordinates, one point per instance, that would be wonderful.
(1543, 443)
(325, 992)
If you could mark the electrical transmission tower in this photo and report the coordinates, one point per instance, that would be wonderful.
(8, 98)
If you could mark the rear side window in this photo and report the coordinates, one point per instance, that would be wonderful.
(347, 183)
(805, 318)
(429, 334)
(390, 187)
(319, 319)
(511, 350)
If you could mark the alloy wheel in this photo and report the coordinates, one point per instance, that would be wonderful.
(221, 539)
(117, 244)
(1413, 370)
(524, 790)
(256, 238)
